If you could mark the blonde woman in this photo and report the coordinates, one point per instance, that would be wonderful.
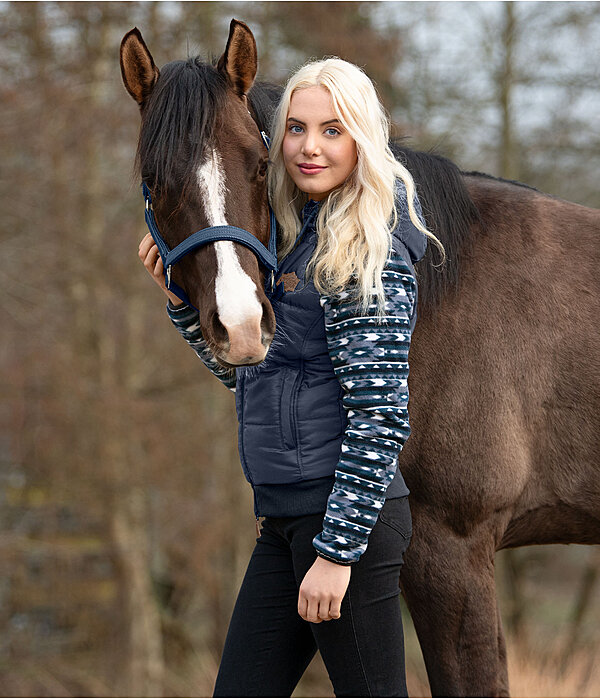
(323, 418)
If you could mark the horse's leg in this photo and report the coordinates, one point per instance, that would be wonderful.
(448, 583)
(504, 691)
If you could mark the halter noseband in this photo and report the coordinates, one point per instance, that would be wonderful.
(267, 256)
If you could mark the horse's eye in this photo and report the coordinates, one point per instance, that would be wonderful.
(149, 181)
(262, 168)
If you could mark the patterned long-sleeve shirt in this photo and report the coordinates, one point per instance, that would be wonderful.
(185, 319)
(370, 359)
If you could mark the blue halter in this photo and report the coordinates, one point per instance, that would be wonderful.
(267, 256)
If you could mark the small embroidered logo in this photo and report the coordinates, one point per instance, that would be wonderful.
(290, 281)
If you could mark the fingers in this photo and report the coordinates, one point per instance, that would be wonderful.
(317, 610)
(158, 267)
(312, 613)
(303, 607)
(151, 259)
(325, 608)
(149, 255)
(334, 610)
(145, 244)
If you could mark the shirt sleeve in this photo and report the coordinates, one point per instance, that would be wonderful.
(370, 358)
(185, 320)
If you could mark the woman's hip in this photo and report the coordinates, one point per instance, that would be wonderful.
(379, 565)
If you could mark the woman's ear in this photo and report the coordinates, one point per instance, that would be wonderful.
(239, 62)
(137, 67)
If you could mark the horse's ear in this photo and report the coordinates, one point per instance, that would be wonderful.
(239, 62)
(137, 66)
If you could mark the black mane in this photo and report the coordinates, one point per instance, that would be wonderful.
(264, 98)
(450, 215)
(186, 101)
(476, 173)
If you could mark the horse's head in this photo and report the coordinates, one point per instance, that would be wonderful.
(201, 154)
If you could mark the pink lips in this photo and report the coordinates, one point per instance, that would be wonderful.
(309, 169)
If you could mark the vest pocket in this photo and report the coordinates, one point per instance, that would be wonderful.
(287, 407)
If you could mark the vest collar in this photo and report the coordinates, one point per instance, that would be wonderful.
(309, 210)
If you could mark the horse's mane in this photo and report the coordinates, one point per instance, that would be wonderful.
(476, 173)
(185, 101)
(264, 98)
(450, 214)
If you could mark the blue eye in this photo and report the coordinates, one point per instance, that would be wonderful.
(293, 128)
(332, 131)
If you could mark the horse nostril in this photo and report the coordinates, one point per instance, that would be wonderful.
(267, 324)
(218, 329)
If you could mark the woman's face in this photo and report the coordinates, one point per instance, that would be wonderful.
(318, 152)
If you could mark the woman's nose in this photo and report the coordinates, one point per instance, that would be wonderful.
(311, 146)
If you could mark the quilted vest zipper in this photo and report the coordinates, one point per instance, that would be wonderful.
(243, 456)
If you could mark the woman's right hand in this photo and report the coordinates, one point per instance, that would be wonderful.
(149, 255)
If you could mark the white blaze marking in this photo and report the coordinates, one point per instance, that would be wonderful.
(237, 300)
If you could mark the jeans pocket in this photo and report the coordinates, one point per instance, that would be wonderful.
(396, 514)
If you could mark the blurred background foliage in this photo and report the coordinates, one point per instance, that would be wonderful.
(125, 521)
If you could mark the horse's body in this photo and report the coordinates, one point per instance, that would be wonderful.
(505, 399)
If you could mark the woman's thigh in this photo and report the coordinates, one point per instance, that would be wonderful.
(268, 644)
(363, 650)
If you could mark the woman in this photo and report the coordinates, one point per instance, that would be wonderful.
(323, 418)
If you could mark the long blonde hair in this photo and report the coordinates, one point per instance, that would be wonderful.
(355, 221)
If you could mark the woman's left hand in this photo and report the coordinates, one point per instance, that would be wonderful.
(322, 591)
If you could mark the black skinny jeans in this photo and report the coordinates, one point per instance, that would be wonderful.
(269, 645)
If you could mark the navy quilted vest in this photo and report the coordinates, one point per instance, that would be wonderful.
(290, 412)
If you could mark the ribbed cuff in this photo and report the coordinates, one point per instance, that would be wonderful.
(335, 561)
(172, 307)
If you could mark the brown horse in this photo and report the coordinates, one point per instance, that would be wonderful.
(201, 154)
(505, 368)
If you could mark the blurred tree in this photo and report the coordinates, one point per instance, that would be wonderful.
(515, 95)
(290, 33)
